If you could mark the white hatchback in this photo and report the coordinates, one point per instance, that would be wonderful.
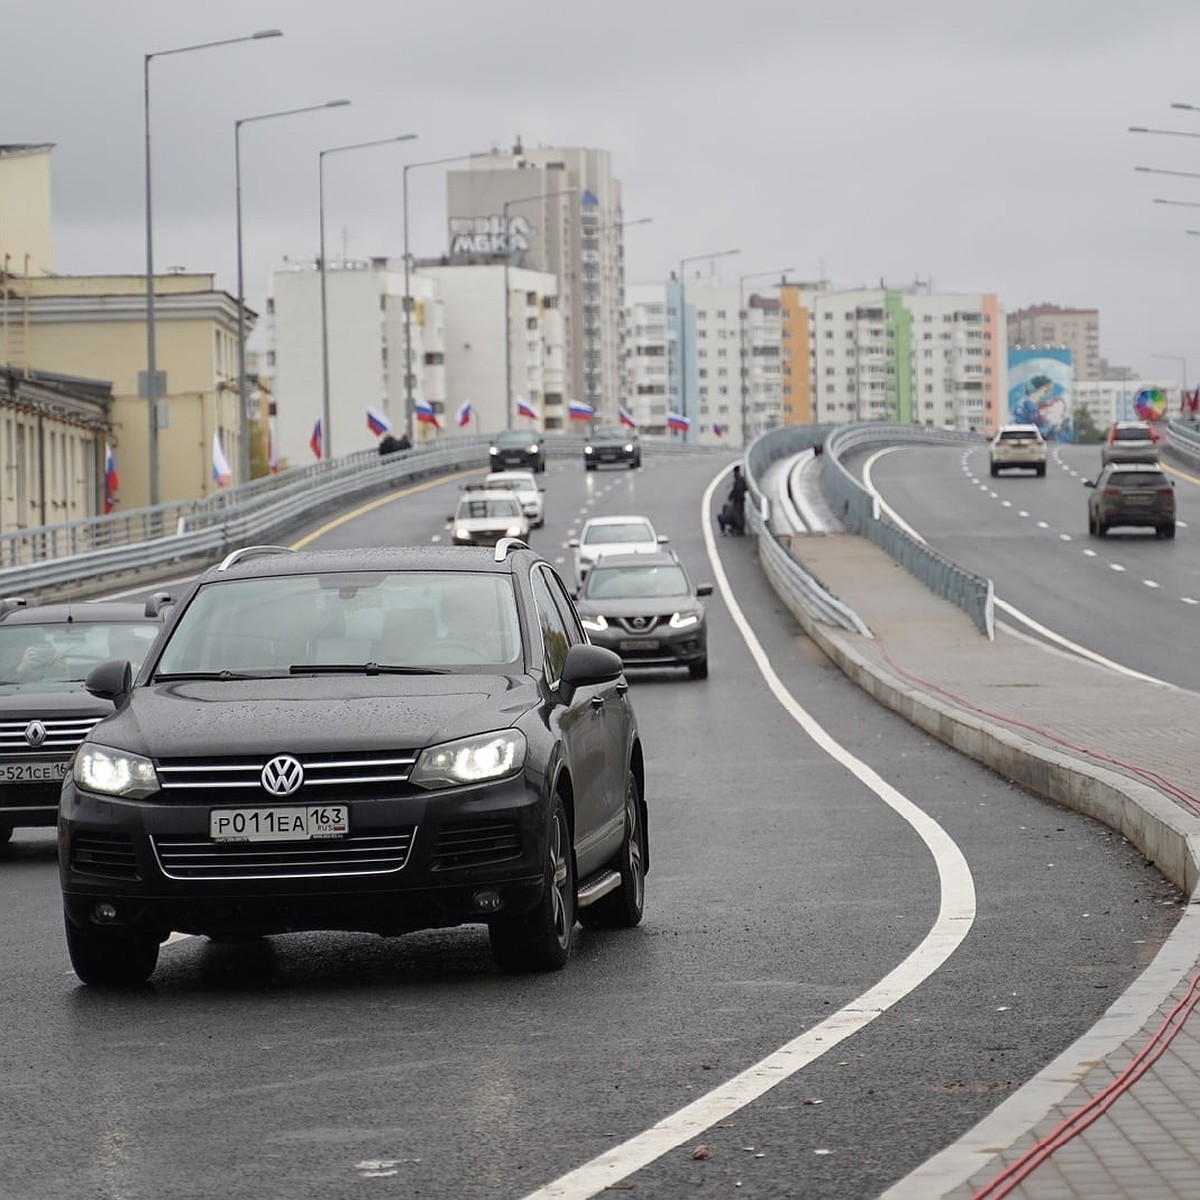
(613, 535)
(525, 485)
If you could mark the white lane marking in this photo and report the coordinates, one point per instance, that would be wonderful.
(956, 913)
(1015, 613)
(1189, 600)
(1150, 583)
(1042, 525)
(1115, 567)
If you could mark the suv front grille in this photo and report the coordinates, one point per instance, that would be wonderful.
(475, 844)
(361, 854)
(321, 772)
(108, 854)
(63, 736)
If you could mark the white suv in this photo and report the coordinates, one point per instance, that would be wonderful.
(1018, 446)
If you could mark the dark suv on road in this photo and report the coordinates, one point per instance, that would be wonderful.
(1131, 494)
(46, 650)
(517, 448)
(612, 444)
(379, 740)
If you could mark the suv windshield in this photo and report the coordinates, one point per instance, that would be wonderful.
(471, 510)
(631, 531)
(515, 437)
(404, 619)
(629, 583)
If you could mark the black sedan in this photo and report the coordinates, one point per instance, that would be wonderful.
(644, 607)
(612, 444)
(370, 740)
(517, 448)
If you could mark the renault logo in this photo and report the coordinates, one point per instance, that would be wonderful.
(35, 733)
(282, 775)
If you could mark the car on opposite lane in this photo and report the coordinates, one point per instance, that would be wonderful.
(1130, 442)
(518, 448)
(622, 534)
(379, 740)
(645, 608)
(1018, 446)
(528, 491)
(484, 515)
(612, 444)
(1131, 494)
(46, 652)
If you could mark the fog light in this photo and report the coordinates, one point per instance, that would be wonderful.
(487, 901)
(104, 913)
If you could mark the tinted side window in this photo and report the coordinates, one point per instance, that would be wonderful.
(556, 638)
(566, 607)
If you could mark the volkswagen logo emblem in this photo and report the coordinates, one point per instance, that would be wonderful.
(35, 733)
(282, 776)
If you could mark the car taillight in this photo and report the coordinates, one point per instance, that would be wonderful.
(1166, 491)
(1111, 492)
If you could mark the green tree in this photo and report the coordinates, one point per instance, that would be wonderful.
(1085, 428)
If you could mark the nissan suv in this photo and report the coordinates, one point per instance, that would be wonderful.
(375, 740)
(46, 650)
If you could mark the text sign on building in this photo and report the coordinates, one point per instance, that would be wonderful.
(487, 237)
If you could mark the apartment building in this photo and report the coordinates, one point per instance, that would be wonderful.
(459, 349)
(555, 210)
(909, 356)
(1074, 329)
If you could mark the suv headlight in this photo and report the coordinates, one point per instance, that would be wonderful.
(114, 772)
(681, 620)
(470, 760)
(596, 624)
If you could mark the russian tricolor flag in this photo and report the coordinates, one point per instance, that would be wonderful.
(626, 418)
(111, 482)
(221, 473)
(678, 422)
(424, 413)
(525, 409)
(578, 410)
(314, 441)
(463, 415)
(377, 423)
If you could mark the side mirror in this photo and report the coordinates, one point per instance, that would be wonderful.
(573, 543)
(663, 539)
(1089, 483)
(156, 603)
(704, 589)
(588, 664)
(112, 680)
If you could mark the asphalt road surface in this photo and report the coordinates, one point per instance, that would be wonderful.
(782, 889)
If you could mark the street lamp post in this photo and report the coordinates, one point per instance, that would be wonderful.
(683, 398)
(507, 315)
(408, 364)
(151, 347)
(326, 432)
(243, 440)
(782, 273)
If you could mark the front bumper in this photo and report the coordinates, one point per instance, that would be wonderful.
(29, 804)
(415, 861)
(664, 647)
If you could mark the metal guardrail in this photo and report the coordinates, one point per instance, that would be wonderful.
(859, 513)
(72, 558)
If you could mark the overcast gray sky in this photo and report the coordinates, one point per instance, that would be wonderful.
(984, 147)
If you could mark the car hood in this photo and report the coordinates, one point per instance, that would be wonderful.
(643, 606)
(57, 700)
(352, 713)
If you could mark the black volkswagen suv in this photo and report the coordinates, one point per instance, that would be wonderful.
(46, 650)
(373, 740)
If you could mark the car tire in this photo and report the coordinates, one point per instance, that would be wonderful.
(589, 466)
(1041, 470)
(111, 958)
(540, 940)
(995, 470)
(1167, 531)
(623, 907)
(5, 834)
(1101, 528)
(698, 670)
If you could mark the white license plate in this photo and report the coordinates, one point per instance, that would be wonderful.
(33, 772)
(279, 824)
(639, 644)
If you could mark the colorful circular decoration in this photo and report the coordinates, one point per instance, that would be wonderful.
(1150, 404)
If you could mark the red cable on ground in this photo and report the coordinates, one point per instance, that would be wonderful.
(1153, 777)
(1098, 1105)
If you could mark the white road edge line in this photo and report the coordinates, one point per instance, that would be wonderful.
(956, 914)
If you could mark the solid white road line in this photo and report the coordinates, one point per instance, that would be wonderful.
(956, 913)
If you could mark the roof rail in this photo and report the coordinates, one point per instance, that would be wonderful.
(505, 546)
(11, 604)
(245, 552)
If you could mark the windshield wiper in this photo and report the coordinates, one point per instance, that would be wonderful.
(171, 676)
(370, 668)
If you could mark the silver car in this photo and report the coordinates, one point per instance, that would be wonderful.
(1130, 442)
(613, 535)
(524, 485)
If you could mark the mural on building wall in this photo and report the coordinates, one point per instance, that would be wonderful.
(488, 237)
(1040, 387)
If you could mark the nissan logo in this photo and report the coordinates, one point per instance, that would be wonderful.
(282, 776)
(35, 733)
